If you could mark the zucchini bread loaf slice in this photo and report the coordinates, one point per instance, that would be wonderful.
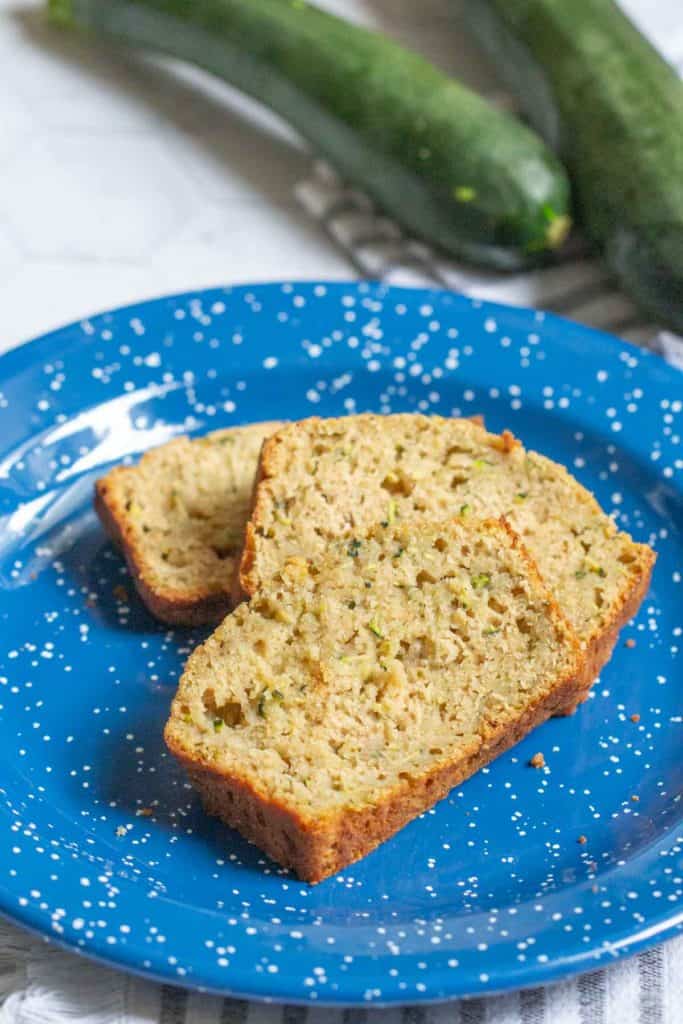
(353, 693)
(324, 479)
(179, 517)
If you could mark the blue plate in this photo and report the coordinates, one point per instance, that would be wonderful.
(105, 847)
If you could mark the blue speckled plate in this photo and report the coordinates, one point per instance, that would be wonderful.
(105, 847)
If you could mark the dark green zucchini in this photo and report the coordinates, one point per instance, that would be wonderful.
(612, 108)
(436, 156)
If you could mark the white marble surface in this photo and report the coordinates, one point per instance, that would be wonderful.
(123, 178)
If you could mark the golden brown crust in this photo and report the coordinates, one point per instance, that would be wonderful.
(599, 650)
(315, 850)
(241, 588)
(245, 583)
(167, 605)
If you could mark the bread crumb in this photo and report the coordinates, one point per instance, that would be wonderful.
(120, 593)
(582, 840)
(630, 643)
(635, 798)
(537, 761)
(145, 812)
(635, 718)
(121, 831)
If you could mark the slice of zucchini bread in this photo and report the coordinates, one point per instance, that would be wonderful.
(353, 693)
(323, 479)
(179, 517)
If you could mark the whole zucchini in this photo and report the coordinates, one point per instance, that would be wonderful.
(436, 156)
(612, 108)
